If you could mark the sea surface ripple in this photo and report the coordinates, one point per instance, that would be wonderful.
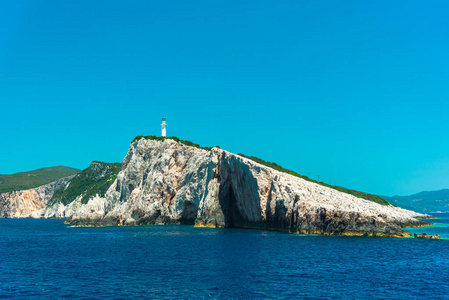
(42, 259)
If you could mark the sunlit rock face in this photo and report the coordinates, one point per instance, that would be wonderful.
(165, 182)
(22, 204)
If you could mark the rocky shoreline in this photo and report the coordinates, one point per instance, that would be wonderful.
(399, 234)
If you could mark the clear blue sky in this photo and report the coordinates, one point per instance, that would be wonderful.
(352, 91)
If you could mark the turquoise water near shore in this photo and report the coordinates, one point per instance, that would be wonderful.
(440, 226)
(47, 259)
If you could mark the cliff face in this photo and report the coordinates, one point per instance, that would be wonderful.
(167, 182)
(21, 204)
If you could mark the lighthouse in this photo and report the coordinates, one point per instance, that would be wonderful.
(163, 127)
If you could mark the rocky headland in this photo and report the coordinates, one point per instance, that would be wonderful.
(167, 182)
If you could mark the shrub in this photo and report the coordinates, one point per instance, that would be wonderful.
(88, 183)
(366, 196)
(161, 138)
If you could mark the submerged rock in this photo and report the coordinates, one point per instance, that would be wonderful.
(166, 182)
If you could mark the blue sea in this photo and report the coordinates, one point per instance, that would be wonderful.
(46, 259)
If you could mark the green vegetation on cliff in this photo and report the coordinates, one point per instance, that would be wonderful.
(33, 179)
(161, 138)
(96, 179)
(359, 194)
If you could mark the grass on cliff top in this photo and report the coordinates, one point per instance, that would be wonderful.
(174, 138)
(89, 182)
(366, 196)
(33, 179)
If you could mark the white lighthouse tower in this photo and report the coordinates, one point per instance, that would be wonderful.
(163, 127)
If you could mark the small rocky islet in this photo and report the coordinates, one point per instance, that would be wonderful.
(426, 236)
(167, 182)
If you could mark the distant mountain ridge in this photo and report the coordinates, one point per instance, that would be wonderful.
(428, 201)
(34, 178)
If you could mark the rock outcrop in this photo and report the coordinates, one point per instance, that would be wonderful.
(165, 182)
(427, 236)
(21, 204)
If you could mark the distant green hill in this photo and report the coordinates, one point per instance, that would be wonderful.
(433, 201)
(33, 179)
